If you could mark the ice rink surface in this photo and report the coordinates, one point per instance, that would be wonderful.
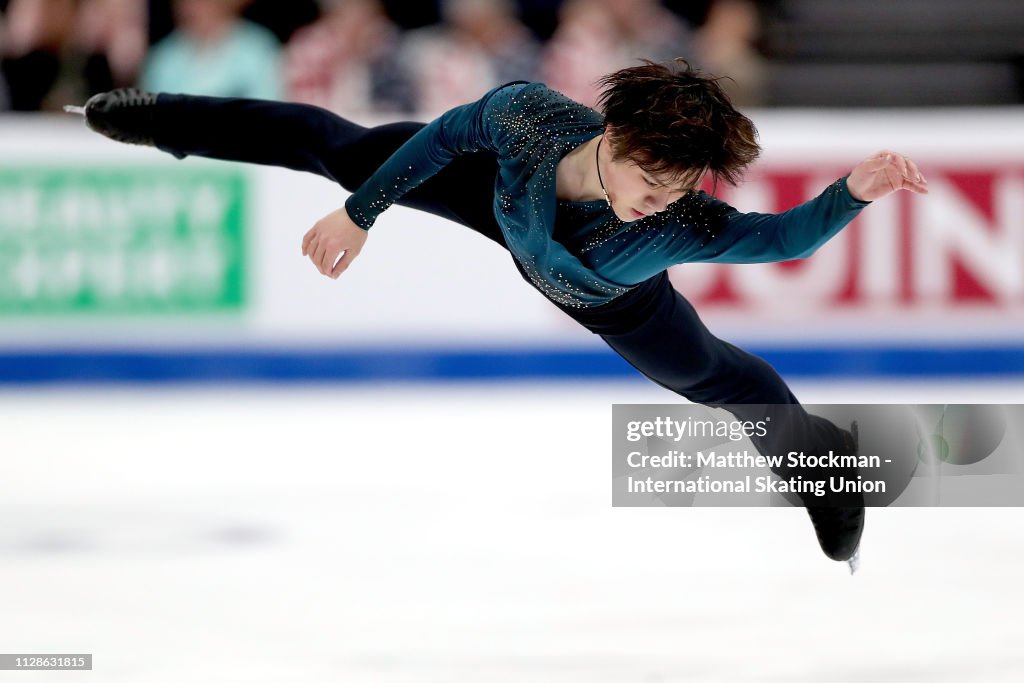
(456, 534)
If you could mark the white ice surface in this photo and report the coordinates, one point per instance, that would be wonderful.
(458, 534)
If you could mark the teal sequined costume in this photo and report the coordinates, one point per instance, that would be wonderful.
(580, 254)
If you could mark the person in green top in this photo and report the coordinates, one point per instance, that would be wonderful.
(592, 206)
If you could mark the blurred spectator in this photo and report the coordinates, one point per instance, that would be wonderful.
(57, 52)
(411, 15)
(113, 34)
(5, 103)
(282, 18)
(347, 61)
(586, 45)
(38, 35)
(648, 29)
(481, 44)
(596, 37)
(541, 16)
(726, 47)
(213, 51)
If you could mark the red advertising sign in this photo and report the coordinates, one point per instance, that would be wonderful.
(933, 259)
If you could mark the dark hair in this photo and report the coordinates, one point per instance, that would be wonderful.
(672, 120)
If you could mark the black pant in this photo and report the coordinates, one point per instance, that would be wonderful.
(652, 326)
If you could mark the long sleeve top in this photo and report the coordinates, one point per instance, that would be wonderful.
(580, 254)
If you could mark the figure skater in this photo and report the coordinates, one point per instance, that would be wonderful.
(592, 206)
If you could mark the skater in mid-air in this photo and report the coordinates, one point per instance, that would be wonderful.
(592, 206)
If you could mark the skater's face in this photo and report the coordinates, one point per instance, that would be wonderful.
(636, 193)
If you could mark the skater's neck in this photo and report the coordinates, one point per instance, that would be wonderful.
(576, 178)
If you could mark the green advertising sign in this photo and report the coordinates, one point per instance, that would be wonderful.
(121, 240)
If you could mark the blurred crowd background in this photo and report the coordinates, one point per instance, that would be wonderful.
(395, 57)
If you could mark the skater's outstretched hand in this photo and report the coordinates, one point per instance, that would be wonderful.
(884, 173)
(332, 235)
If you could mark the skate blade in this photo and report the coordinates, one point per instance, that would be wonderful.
(72, 109)
(854, 562)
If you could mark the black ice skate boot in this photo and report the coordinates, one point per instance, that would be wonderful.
(839, 528)
(125, 115)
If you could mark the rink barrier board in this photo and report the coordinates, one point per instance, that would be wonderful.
(915, 287)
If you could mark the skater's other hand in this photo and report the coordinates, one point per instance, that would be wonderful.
(332, 235)
(884, 173)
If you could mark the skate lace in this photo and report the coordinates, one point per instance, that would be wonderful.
(133, 97)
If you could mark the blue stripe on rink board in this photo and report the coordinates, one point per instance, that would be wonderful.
(291, 365)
